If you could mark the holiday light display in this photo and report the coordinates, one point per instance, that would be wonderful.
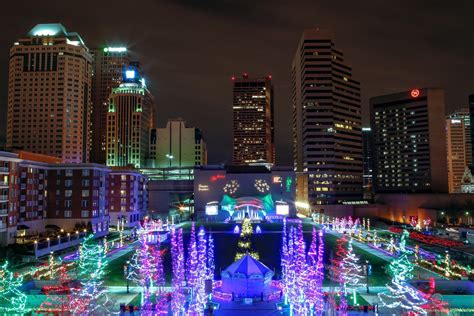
(352, 272)
(391, 246)
(192, 274)
(211, 265)
(146, 265)
(231, 187)
(178, 298)
(244, 244)
(302, 274)
(91, 296)
(58, 296)
(447, 265)
(402, 295)
(261, 185)
(199, 295)
(12, 300)
(429, 239)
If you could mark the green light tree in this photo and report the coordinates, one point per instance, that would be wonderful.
(245, 245)
(401, 295)
(91, 297)
(12, 300)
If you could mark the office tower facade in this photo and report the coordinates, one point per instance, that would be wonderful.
(108, 64)
(327, 140)
(471, 119)
(130, 118)
(177, 146)
(367, 162)
(253, 130)
(49, 101)
(458, 147)
(409, 148)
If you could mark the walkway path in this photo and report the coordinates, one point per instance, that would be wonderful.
(419, 272)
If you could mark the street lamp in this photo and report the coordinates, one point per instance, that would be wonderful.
(367, 274)
(169, 156)
(126, 272)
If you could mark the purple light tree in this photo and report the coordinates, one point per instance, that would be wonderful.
(178, 298)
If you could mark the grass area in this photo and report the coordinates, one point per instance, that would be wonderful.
(268, 245)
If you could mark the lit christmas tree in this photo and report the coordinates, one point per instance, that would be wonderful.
(402, 295)
(315, 273)
(192, 273)
(199, 299)
(12, 300)
(391, 246)
(352, 272)
(142, 267)
(91, 297)
(211, 266)
(244, 245)
(178, 298)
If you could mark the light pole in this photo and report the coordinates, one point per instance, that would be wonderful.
(367, 274)
(169, 156)
(126, 272)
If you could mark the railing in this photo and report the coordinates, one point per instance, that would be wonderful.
(4, 169)
(3, 183)
(3, 197)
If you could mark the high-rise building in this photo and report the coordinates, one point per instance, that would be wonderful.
(367, 161)
(177, 146)
(327, 141)
(108, 65)
(49, 101)
(253, 131)
(458, 142)
(471, 119)
(130, 118)
(409, 148)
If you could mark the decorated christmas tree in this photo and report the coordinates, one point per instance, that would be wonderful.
(192, 273)
(177, 256)
(245, 245)
(402, 295)
(91, 297)
(142, 267)
(12, 300)
(353, 273)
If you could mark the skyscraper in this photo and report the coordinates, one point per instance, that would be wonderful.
(409, 148)
(108, 64)
(458, 144)
(177, 145)
(130, 118)
(327, 141)
(253, 131)
(49, 100)
(367, 161)
(471, 119)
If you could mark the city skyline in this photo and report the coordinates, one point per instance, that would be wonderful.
(378, 56)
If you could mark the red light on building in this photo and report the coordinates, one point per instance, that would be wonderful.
(233, 78)
(217, 177)
(245, 75)
(415, 93)
(270, 77)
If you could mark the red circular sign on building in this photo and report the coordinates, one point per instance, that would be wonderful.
(415, 93)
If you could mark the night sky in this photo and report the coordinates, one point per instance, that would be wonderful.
(189, 49)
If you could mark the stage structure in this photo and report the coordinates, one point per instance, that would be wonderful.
(234, 192)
